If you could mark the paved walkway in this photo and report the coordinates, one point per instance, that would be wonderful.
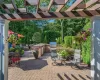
(42, 69)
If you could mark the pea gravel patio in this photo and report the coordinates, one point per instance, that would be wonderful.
(42, 69)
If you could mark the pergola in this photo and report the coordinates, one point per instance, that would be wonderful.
(79, 8)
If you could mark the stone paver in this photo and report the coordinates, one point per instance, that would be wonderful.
(42, 69)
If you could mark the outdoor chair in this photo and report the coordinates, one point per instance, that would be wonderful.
(76, 59)
(54, 56)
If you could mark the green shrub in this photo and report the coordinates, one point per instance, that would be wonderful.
(59, 40)
(63, 53)
(16, 51)
(22, 52)
(70, 51)
(51, 35)
(12, 49)
(68, 41)
(36, 37)
(86, 50)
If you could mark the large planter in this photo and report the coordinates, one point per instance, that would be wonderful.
(47, 48)
(35, 53)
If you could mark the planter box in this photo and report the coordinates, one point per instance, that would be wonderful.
(39, 48)
(47, 48)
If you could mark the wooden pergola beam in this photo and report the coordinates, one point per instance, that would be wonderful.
(50, 4)
(50, 15)
(94, 7)
(14, 5)
(88, 4)
(31, 2)
(74, 5)
(92, 10)
(42, 9)
(21, 10)
(59, 2)
(38, 6)
(81, 6)
(61, 6)
(91, 2)
(7, 7)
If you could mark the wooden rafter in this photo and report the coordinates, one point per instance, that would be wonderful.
(21, 10)
(81, 6)
(58, 2)
(61, 6)
(14, 5)
(94, 7)
(38, 5)
(49, 15)
(50, 4)
(77, 9)
(74, 5)
(31, 2)
(7, 7)
(42, 9)
(91, 2)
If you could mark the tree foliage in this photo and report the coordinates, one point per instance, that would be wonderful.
(36, 37)
(51, 36)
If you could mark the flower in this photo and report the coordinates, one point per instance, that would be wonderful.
(84, 38)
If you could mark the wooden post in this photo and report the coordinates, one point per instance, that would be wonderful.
(3, 50)
(6, 52)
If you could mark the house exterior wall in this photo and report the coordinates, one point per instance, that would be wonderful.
(95, 62)
(3, 49)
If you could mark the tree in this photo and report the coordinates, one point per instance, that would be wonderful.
(27, 28)
(71, 26)
(36, 37)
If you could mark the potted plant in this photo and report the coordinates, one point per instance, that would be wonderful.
(63, 54)
(22, 52)
(70, 51)
(12, 49)
(17, 51)
(35, 53)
